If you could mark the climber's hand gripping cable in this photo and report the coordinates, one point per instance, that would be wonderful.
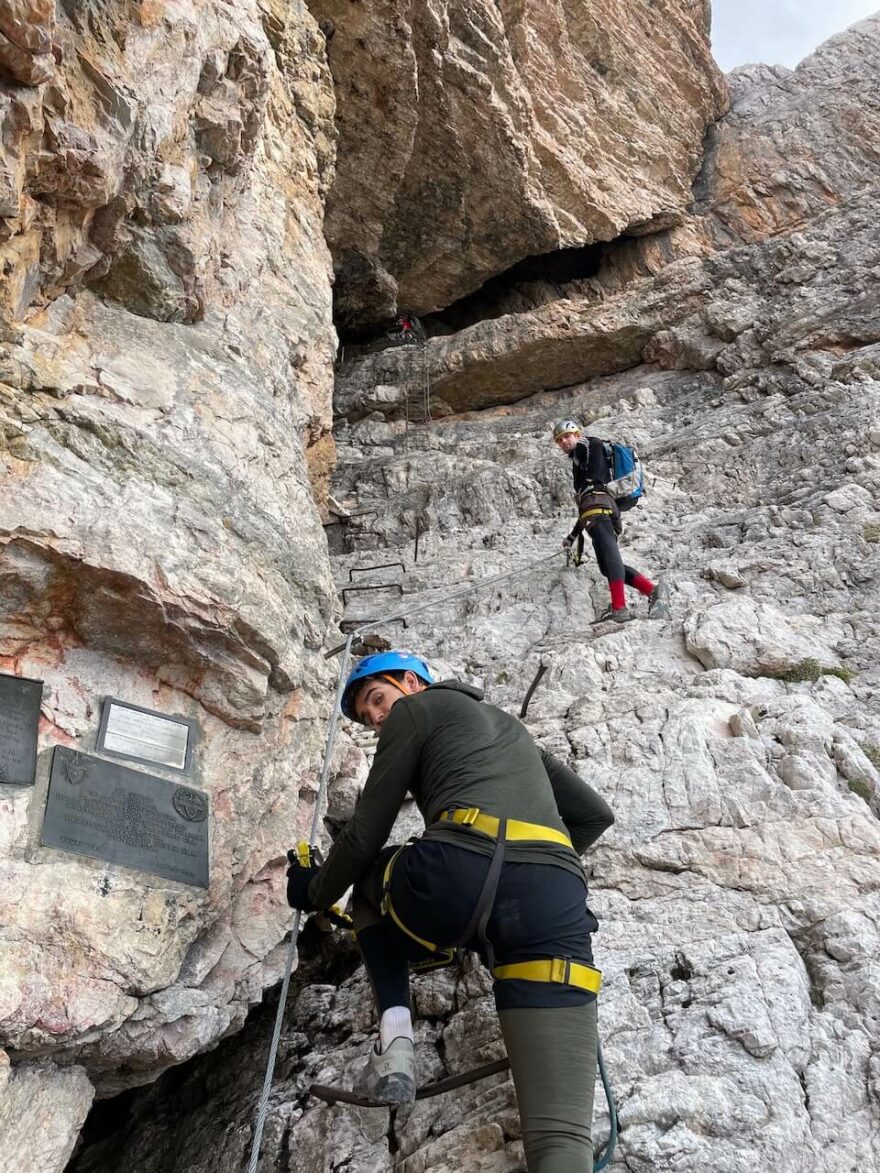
(305, 863)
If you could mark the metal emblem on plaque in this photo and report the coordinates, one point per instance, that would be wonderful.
(191, 804)
(19, 726)
(108, 811)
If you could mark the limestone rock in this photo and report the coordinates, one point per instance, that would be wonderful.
(474, 135)
(134, 169)
(159, 536)
(795, 142)
(42, 1109)
(26, 28)
(737, 891)
(726, 290)
(754, 639)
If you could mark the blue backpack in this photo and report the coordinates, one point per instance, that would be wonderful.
(627, 484)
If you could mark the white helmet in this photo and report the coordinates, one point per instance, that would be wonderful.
(565, 427)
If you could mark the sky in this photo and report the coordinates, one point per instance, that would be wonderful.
(779, 32)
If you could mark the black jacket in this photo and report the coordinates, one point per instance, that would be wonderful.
(449, 749)
(590, 465)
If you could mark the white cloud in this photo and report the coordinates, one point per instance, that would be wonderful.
(778, 32)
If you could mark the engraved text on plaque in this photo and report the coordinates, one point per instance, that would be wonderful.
(19, 722)
(108, 811)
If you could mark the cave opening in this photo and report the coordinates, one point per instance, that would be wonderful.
(210, 1099)
(531, 282)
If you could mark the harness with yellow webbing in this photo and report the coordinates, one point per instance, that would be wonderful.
(593, 507)
(503, 831)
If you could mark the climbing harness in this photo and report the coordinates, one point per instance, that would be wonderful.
(561, 970)
(593, 506)
(516, 830)
(498, 828)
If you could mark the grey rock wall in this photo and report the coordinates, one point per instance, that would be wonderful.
(165, 378)
(474, 135)
(738, 743)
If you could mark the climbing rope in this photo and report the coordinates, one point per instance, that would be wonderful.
(608, 1154)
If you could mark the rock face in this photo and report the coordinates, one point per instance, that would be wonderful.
(764, 273)
(159, 536)
(133, 171)
(474, 135)
(42, 1109)
(739, 742)
(739, 890)
(165, 381)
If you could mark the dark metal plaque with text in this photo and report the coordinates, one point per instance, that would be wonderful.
(111, 812)
(19, 723)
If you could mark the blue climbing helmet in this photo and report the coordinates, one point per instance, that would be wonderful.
(378, 665)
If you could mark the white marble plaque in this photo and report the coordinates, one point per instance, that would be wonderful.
(131, 732)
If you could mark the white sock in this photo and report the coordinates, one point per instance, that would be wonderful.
(395, 1023)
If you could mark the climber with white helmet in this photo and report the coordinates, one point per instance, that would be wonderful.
(497, 870)
(599, 517)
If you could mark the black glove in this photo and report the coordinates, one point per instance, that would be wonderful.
(567, 542)
(298, 880)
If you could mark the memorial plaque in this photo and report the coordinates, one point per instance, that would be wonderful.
(19, 723)
(128, 731)
(108, 811)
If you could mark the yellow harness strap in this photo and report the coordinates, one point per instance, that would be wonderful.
(517, 831)
(559, 969)
(388, 907)
(597, 512)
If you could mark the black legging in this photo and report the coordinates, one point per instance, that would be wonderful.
(611, 565)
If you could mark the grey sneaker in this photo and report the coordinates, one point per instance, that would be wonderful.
(621, 615)
(390, 1075)
(658, 601)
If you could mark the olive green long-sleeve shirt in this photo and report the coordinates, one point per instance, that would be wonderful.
(449, 749)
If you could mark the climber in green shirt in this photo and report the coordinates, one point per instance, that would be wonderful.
(497, 870)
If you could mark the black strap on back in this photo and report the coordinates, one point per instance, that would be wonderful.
(479, 919)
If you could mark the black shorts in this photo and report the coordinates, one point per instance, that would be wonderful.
(540, 911)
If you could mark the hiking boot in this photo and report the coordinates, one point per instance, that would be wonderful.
(658, 600)
(620, 615)
(390, 1075)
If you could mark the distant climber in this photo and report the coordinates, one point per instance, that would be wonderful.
(599, 517)
(408, 331)
(497, 870)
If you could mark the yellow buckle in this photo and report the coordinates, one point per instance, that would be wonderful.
(470, 816)
(560, 970)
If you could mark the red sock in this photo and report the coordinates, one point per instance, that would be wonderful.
(618, 598)
(642, 584)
